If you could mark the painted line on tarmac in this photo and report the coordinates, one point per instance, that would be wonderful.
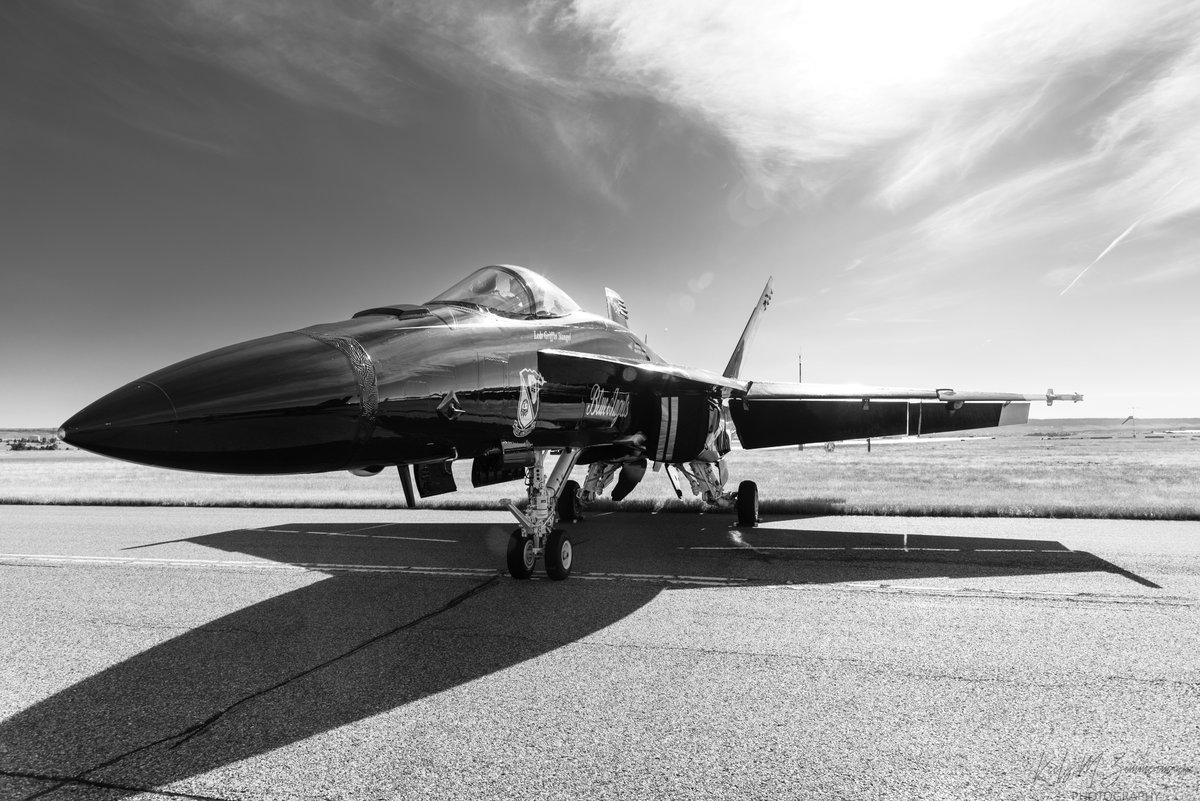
(979, 592)
(371, 527)
(899, 548)
(235, 564)
(382, 536)
(353, 533)
(25, 560)
(711, 581)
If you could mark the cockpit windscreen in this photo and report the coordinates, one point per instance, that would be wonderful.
(510, 291)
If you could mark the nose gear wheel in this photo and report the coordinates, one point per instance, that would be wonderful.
(521, 556)
(537, 536)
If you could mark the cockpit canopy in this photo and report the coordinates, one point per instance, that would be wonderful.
(510, 291)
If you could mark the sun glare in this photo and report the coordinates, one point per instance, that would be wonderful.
(868, 45)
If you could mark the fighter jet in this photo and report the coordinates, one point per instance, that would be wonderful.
(502, 368)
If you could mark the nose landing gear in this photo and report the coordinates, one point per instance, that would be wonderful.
(558, 555)
(537, 536)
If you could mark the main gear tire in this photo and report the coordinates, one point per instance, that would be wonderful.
(570, 505)
(747, 504)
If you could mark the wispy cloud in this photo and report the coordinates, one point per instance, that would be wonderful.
(1168, 272)
(1151, 138)
(930, 96)
(1131, 158)
(1020, 205)
(796, 86)
(956, 143)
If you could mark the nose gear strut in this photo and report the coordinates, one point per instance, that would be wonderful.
(537, 536)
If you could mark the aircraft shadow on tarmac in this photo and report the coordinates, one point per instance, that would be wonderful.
(356, 644)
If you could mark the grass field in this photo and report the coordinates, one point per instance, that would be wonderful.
(1067, 468)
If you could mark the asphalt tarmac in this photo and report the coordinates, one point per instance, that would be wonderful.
(280, 654)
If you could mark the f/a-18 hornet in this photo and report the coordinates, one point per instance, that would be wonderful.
(502, 368)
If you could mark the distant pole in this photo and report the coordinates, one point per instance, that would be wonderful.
(800, 376)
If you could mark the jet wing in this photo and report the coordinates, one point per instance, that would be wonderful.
(771, 414)
(583, 369)
(785, 391)
(768, 414)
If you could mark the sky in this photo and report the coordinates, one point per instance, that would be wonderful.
(984, 196)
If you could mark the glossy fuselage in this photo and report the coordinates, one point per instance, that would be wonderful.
(421, 385)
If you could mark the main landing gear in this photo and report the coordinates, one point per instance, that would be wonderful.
(554, 497)
(550, 498)
(746, 504)
(706, 479)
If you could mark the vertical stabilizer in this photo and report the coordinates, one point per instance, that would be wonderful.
(618, 312)
(735, 361)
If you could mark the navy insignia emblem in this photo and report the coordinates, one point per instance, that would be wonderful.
(527, 402)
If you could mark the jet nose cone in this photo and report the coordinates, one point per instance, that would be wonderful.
(120, 420)
(288, 403)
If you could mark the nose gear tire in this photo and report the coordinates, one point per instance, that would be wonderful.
(521, 557)
(559, 555)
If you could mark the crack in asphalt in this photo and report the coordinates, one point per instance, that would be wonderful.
(183, 736)
(890, 669)
(65, 780)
